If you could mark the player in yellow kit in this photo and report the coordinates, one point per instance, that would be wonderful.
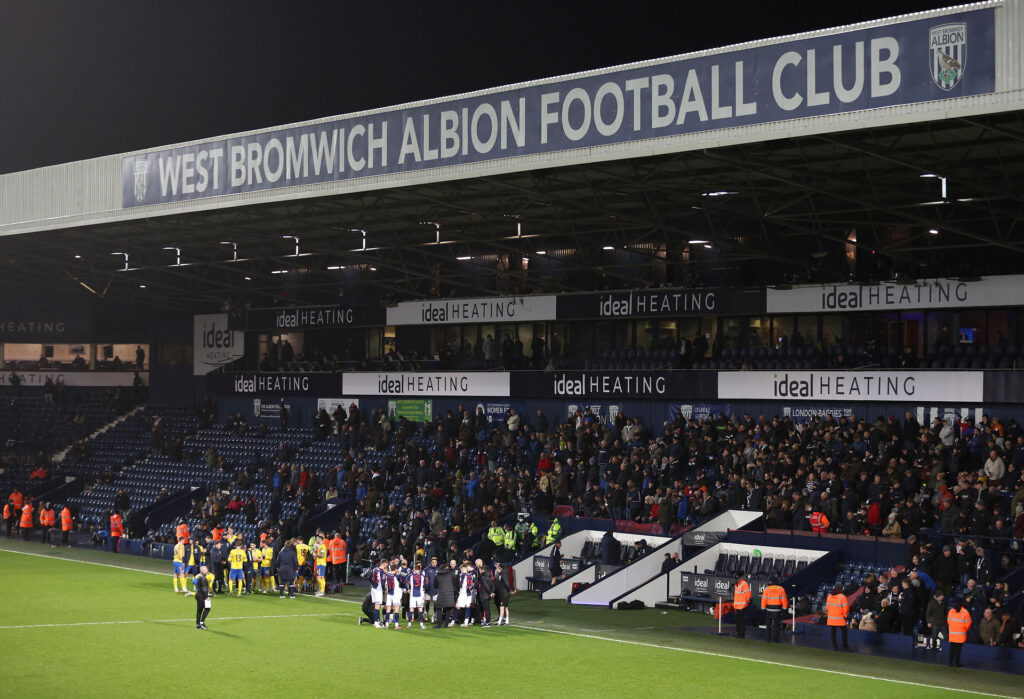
(236, 564)
(320, 560)
(179, 565)
(302, 553)
(266, 561)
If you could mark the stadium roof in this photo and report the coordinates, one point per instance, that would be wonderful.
(910, 191)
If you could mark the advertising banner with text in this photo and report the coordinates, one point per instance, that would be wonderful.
(509, 309)
(917, 60)
(437, 383)
(944, 386)
(322, 384)
(214, 344)
(660, 303)
(412, 409)
(945, 294)
(307, 318)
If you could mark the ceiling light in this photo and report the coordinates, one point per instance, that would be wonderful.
(541, 252)
(125, 259)
(437, 229)
(177, 253)
(278, 271)
(464, 258)
(708, 246)
(933, 231)
(296, 239)
(608, 247)
(234, 248)
(698, 242)
(336, 267)
(142, 286)
(719, 193)
(928, 174)
(373, 269)
(248, 279)
(78, 257)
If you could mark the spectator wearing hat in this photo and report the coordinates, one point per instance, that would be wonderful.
(892, 529)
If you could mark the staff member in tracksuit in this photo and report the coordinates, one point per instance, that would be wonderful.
(741, 603)
(503, 589)
(484, 593)
(430, 591)
(202, 592)
(218, 555)
(773, 602)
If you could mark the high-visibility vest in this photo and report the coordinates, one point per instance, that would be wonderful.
(496, 535)
(7, 511)
(554, 531)
(838, 608)
(26, 516)
(218, 533)
(819, 522)
(959, 624)
(17, 499)
(116, 528)
(66, 523)
(47, 518)
(741, 595)
(181, 531)
(510, 539)
(337, 549)
(775, 597)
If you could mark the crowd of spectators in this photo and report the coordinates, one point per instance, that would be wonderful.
(883, 477)
(915, 598)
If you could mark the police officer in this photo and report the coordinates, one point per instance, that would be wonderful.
(496, 535)
(741, 603)
(510, 542)
(774, 602)
(554, 531)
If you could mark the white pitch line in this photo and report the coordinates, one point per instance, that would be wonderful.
(615, 640)
(769, 662)
(164, 621)
(75, 560)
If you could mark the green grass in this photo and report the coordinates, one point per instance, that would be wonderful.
(313, 647)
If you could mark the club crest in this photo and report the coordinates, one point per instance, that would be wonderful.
(947, 53)
(141, 179)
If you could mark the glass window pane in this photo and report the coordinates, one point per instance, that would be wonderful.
(782, 329)
(832, 329)
(938, 324)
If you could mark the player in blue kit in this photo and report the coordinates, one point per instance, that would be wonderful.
(416, 584)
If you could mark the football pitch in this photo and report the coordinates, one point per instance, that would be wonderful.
(84, 623)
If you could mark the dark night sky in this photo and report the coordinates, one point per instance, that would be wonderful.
(83, 79)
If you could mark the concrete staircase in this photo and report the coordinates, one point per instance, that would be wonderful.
(59, 456)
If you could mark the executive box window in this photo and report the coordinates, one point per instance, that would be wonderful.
(832, 331)
(939, 326)
(122, 356)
